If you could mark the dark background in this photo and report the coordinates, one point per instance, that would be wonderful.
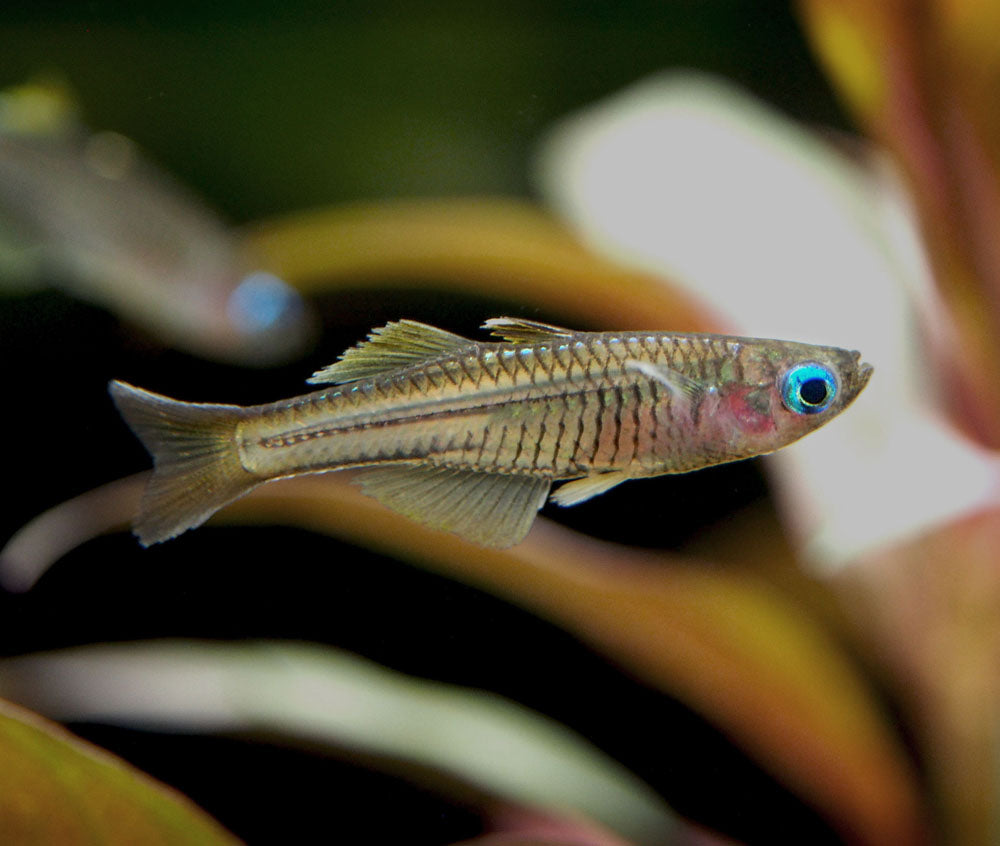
(263, 113)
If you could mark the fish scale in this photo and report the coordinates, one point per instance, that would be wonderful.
(526, 383)
(468, 436)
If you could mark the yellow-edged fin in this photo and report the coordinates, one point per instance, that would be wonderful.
(197, 467)
(518, 331)
(390, 347)
(489, 509)
(580, 490)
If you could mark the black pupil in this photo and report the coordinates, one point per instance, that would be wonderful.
(813, 391)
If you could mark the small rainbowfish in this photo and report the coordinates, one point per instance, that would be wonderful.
(468, 436)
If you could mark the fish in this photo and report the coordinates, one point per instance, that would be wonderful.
(86, 211)
(469, 436)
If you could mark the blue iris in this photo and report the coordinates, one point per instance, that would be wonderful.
(808, 388)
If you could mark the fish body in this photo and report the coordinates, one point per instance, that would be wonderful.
(86, 210)
(469, 436)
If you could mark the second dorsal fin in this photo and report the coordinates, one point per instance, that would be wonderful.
(390, 347)
(517, 330)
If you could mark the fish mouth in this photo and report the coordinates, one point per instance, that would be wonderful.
(862, 373)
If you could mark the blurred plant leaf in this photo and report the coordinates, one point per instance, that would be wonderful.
(745, 654)
(729, 644)
(37, 545)
(483, 246)
(545, 838)
(511, 825)
(922, 79)
(932, 608)
(330, 697)
(55, 788)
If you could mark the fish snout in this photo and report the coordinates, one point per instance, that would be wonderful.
(860, 372)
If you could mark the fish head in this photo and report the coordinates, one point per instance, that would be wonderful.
(786, 391)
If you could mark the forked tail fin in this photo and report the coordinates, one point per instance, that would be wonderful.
(196, 463)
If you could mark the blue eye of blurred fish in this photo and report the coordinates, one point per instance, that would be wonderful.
(263, 302)
(808, 388)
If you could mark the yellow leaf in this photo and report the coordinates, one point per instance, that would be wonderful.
(54, 788)
(486, 246)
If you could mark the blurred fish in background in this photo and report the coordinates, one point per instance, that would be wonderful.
(85, 211)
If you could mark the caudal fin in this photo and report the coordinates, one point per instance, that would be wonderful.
(196, 465)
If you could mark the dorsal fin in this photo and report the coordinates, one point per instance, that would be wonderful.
(517, 330)
(390, 347)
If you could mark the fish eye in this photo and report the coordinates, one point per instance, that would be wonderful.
(808, 388)
(262, 303)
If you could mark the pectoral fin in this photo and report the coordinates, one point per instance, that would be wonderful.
(583, 489)
(486, 508)
(680, 385)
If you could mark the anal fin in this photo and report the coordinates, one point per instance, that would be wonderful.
(580, 490)
(489, 509)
